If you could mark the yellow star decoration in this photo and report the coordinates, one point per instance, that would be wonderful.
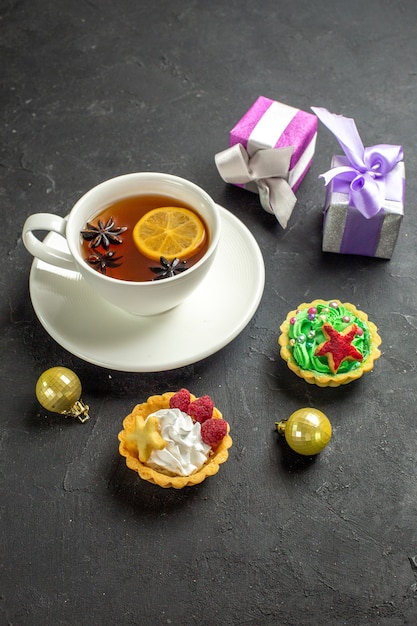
(147, 437)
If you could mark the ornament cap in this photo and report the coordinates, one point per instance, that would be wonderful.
(280, 426)
(78, 410)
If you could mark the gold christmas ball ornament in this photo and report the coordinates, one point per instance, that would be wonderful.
(59, 390)
(307, 431)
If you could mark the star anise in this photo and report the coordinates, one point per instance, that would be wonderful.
(168, 268)
(103, 234)
(101, 261)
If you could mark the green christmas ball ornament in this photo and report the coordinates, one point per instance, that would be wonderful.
(307, 431)
(58, 390)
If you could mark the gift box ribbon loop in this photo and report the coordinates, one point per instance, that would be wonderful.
(364, 178)
(268, 169)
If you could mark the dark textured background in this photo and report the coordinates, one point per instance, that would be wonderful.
(93, 89)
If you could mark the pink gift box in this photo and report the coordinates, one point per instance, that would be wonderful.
(271, 124)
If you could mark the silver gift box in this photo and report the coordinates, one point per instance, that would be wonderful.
(336, 215)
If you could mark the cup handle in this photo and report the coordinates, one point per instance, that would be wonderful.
(40, 249)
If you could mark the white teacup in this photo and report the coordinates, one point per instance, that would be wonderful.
(140, 298)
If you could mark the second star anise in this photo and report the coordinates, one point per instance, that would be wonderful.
(101, 261)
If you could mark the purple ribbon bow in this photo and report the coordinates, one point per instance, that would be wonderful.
(365, 175)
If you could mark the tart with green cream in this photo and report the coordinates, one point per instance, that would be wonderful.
(329, 343)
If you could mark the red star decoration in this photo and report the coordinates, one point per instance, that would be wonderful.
(338, 346)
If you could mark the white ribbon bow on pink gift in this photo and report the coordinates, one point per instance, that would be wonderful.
(268, 169)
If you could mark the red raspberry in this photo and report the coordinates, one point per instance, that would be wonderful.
(213, 431)
(180, 400)
(201, 409)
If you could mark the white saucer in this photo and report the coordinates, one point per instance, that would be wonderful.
(98, 332)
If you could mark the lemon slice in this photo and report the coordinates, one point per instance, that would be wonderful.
(171, 232)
